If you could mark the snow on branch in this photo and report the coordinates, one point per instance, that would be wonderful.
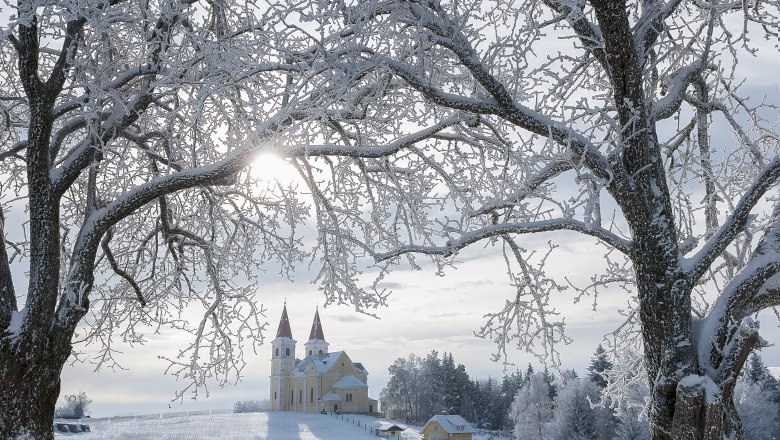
(454, 245)
(363, 151)
(698, 264)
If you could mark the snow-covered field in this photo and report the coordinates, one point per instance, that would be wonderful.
(254, 426)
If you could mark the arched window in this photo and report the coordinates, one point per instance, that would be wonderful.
(309, 352)
(311, 396)
(274, 395)
(287, 351)
(300, 396)
(277, 351)
(292, 397)
(320, 351)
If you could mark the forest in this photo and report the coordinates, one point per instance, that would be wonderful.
(541, 405)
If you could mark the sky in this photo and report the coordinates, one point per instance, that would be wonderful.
(425, 312)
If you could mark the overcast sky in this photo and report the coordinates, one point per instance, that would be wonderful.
(425, 313)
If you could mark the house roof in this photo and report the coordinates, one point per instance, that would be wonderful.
(392, 428)
(349, 382)
(316, 328)
(451, 424)
(360, 367)
(330, 397)
(284, 325)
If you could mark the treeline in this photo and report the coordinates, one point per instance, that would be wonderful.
(421, 387)
(540, 405)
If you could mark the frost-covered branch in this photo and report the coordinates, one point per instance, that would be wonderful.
(465, 239)
(7, 292)
(736, 222)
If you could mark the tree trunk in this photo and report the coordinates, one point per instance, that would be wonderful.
(29, 388)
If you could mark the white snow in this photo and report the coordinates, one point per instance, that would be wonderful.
(17, 319)
(349, 382)
(278, 425)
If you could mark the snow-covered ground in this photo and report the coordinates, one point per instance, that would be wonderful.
(254, 426)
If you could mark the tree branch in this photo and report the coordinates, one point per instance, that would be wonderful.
(454, 245)
(7, 293)
(118, 270)
(368, 152)
(697, 265)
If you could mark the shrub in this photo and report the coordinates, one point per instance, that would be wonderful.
(75, 407)
(247, 406)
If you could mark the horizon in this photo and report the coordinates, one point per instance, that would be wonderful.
(425, 312)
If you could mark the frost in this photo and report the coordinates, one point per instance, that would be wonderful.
(17, 320)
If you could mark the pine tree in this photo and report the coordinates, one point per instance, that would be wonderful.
(549, 379)
(599, 366)
(758, 375)
(575, 418)
(532, 408)
(757, 399)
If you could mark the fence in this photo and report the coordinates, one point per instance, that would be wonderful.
(166, 415)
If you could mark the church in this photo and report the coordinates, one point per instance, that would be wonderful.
(322, 381)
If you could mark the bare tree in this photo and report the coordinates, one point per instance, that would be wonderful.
(595, 117)
(123, 123)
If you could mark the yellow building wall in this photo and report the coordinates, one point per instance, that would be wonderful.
(434, 431)
(302, 393)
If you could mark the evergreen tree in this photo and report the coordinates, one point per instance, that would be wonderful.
(758, 375)
(549, 379)
(532, 409)
(599, 366)
(574, 417)
(755, 399)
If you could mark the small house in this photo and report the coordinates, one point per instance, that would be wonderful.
(391, 431)
(447, 427)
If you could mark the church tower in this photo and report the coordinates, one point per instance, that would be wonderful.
(316, 344)
(282, 362)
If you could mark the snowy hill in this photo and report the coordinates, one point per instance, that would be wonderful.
(252, 426)
(255, 426)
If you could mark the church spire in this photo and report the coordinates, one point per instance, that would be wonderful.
(284, 325)
(316, 328)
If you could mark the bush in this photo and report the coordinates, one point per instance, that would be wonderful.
(76, 406)
(248, 406)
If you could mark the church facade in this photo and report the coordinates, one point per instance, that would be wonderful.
(321, 381)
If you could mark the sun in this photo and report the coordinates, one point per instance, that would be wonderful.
(269, 167)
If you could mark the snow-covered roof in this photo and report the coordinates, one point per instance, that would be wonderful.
(361, 368)
(349, 382)
(451, 424)
(322, 362)
(330, 397)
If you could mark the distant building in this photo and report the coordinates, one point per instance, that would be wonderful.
(446, 427)
(322, 381)
(391, 431)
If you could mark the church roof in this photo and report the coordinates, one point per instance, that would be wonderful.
(360, 367)
(331, 397)
(322, 362)
(284, 326)
(349, 382)
(316, 328)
